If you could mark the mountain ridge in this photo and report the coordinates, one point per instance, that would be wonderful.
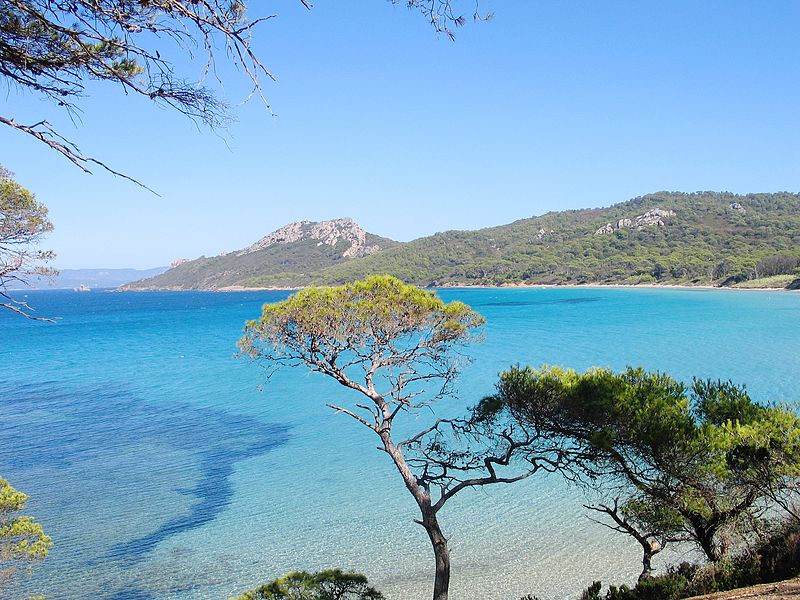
(326, 232)
(699, 238)
(291, 250)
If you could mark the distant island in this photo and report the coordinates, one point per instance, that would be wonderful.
(83, 279)
(667, 238)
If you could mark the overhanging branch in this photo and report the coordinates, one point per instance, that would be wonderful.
(44, 132)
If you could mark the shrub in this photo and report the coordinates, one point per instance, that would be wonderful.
(775, 559)
(332, 584)
(592, 592)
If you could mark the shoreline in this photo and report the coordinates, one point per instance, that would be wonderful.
(239, 288)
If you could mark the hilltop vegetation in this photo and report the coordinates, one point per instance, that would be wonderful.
(703, 238)
(290, 254)
(705, 242)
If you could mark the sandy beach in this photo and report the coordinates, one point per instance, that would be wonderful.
(239, 288)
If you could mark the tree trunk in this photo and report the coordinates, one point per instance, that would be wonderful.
(441, 553)
(647, 567)
(710, 549)
(706, 539)
(704, 531)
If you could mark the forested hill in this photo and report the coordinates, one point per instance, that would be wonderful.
(290, 253)
(668, 238)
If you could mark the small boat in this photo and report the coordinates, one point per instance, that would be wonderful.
(82, 288)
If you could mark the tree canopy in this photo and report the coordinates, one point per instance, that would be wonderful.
(376, 326)
(22, 539)
(707, 454)
(400, 347)
(331, 584)
(23, 223)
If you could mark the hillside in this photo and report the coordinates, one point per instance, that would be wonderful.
(703, 238)
(292, 252)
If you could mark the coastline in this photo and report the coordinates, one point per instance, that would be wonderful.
(239, 288)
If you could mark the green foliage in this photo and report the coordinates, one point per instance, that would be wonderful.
(23, 223)
(618, 593)
(779, 264)
(19, 209)
(697, 461)
(372, 318)
(332, 584)
(655, 518)
(273, 266)
(600, 407)
(668, 587)
(22, 539)
(395, 345)
(671, 586)
(706, 242)
(721, 402)
(592, 592)
(775, 558)
(774, 282)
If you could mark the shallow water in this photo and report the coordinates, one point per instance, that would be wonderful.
(164, 469)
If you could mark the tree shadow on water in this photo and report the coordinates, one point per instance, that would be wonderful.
(112, 475)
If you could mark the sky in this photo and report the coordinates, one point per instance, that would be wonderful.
(552, 105)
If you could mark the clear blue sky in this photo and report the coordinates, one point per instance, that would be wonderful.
(552, 105)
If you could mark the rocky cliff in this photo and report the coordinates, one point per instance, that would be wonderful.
(330, 233)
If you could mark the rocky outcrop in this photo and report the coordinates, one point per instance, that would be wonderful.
(738, 208)
(325, 232)
(652, 218)
(284, 258)
(543, 232)
(605, 229)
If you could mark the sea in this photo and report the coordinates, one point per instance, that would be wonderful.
(164, 466)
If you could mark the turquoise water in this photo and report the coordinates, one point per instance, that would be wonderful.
(166, 468)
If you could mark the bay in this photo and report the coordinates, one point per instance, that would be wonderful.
(165, 467)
